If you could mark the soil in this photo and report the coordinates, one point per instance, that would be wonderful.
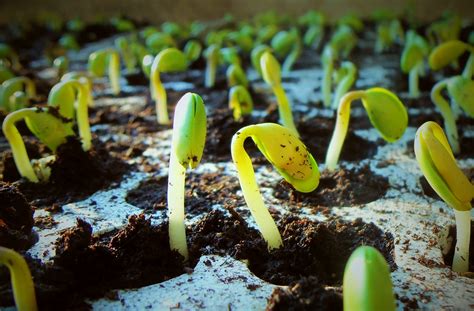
(343, 187)
(448, 258)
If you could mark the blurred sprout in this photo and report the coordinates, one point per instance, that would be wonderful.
(193, 50)
(345, 78)
(236, 76)
(61, 64)
(256, 54)
(412, 60)
(9, 55)
(123, 46)
(102, 59)
(159, 41)
(212, 54)
(240, 102)
(68, 42)
(230, 55)
(11, 102)
(343, 41)
(448, 52)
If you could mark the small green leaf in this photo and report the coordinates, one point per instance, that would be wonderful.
(170, 60)
(192, 50)
(462, 91)
(446, 53)
(411, 57)
(256, 54)
(97, 63)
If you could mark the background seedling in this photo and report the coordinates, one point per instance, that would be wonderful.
(256, 54)
(412, 60)
(448, 52)
(192, 50)
(287, 44)
(236, 76)
(212, 61)
(61, 64)
(345, 78)
(9, 55)
(123, 46)
(10, 87)
(240, 102)
(85, 79)
(327, 59)
(99, 60)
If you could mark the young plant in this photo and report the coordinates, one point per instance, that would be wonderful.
(5, 73)
(367, 284)
(7, 53)
(287, 44)
(22, 282)
(71, 99)
(272, 76)
(314, 21)
(189, 137)
(10, 87)
(61, 64)
(230, 55)
(192, 50)
(412, 60)
(288, 155)
(240, 102)
(446, 29)
(256, 54)
(327, 60)
(388, 32)
(159, 41)
(68, 42)
(122, 45)
(85, 79)
(212, 61)
(100, 60)
(343, 41)
(345, 78)
(168, 60)
(438, 165)
(47, 125)
(386, 113)
(236, 76)
(266, 33)
(448, 52)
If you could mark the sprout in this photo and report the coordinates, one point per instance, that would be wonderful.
(387, 33)
(168, 60)
(189, 136)
(327, 59)
(85, 79)
(192, 50)
(230, 55)
(70, 95)
(450, 51)
(346, 76)
(352, 21)
(241, 39)
(125, 49)
(236, 76)
(122, 24)
(159, 41)
(438, 164)
(147, 61)
(256, 54)
(240, 102)
(288, 155)
(5, 73)
(446, 29)
(343, 41)
(99, 60)
(212, 60)
(61, 64)
(10, 87)
(367, 284)
(22, 282)
(313, 35)
(386, 113)
(287, 44)
(68, 42)
(7, 53)
(411, 61)
(272, 76)
(266, 33)
(174, 30)
(46, 124)
(75, 25)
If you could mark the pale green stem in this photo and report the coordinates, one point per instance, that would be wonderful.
(251, 192)
(469, 68)
(340, 130)
(284, 110)
(159, 95)
(234, 104)
(291, 58)
(83, 118)
(413, 78)
(446, 112)
(457, 111)
(22, 282)
(463, 235)
(20, 156)
(210, 76)
(327, 83)
(177, 228)
(344, 86)
(114, 72)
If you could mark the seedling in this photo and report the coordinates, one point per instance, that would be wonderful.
(240, 102)
(352, 21)
(159, 41)
(288, 155)
(168, 60)
(69, 96)
(7, 53)
(367, 284)
(386, 113)
(287, 44)
(327, 60)
(266, 33)
(343, 41)
(85, 79)
(10, 87)
(5, 73)
(272, 76)
(448, 52)
(230, 55)
(446, 29)
(241, 39)
(61, 63)
(236, 76)
(192, 50)
(256, 54)
(212, 60)
(122, 24)
(189, 136)
(99, 60)
(22, 282)
(345, 78)
(48, 126)
(68, 42)
(314, 21)
(122, 45)
(412, 61)
(388, 32)
(438, 165)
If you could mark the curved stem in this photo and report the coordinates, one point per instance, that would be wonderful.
(83, 118)
(234, 104)
(114, 72)
(211, 68)
(345, 84)
(20, 156)
(463, 235)
(177, 229)
(469, 67)
(340, 130)
(284, 110)
(446, 112)
(159, 95)
(413, 82)
(327, 82)
(22, 283)
(251, 192)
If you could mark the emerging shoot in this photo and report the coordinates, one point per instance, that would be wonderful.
(345, 78)
(412, 61)
(240, 102)
(236, 76)
(99, 60)
(288, 155)
(189, 136)
(10, 87)
(212, 55)
(448, 52)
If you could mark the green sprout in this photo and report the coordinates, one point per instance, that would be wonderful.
(240, 102)
(345, 78)
(5, 73)
(343, 41)
(230, 55)
(68, 42)
(266, 33)
(22, 282)
(314, 21)
(69, 96)
(174, 30)
(187, 146)
(446, 29)
(241, 39)
(287, 44)
(212, 61)
(450, 51)
(99, 60)
(327, 59)
(367, 284)
(147, 61)
(438, 165)
(48, 126)
(159, 41)
(272, 76)
(388, 32)
(122, 24)
(386, 113)
(236, 76)
(168, 60)
(7, 53)
(352, 21)
(412, 60)
(192, 50)
(256, 54)
(10, 87)
(85, 79)
(61, 63)
(122, 45)
(288, 155)
(75, 25)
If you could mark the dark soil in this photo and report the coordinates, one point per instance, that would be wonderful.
(343, 187)
(16, 218)
(74, 175)
(448, 258)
